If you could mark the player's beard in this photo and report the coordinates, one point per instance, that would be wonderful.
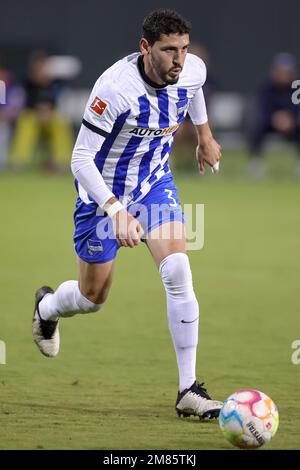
(171, 81)
(163, 75)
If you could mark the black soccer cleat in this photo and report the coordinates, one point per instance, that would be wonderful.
(45, 332)
(195, 401)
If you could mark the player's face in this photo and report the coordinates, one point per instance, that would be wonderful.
(167, 56)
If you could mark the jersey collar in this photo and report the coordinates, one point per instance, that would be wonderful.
(145, 77)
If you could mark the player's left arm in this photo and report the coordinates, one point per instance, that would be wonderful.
(208, 150)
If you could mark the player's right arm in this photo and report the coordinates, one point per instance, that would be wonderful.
(98, 121)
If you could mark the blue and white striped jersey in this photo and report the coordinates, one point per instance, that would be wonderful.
(138, 120)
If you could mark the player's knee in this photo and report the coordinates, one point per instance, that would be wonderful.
(176, 275)
(96, 296)
(100, 297)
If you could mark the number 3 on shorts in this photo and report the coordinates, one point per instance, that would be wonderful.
(174, 203)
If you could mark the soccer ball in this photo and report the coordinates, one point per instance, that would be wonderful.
(248, 419)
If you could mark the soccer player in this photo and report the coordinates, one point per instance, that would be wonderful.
(120, 164)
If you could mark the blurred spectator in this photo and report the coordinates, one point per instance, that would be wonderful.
(186, 138)
(9, 108)
(275, 112)
(39, 122)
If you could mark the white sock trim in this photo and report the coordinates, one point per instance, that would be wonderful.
(176, 255)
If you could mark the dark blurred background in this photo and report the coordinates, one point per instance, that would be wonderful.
(239, 41)
(241, 36)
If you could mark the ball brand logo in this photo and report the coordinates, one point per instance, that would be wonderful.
(2, 352)
(98, 106)
(255, 433)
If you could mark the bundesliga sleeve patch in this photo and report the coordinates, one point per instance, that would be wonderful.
(98, 106)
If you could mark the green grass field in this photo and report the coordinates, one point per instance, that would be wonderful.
(114, 384)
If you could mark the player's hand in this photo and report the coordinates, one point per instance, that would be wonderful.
(127, 229)
(208, 151)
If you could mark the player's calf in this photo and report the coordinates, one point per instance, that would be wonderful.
(183, 315)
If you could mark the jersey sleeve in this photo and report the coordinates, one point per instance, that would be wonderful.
(104, 106)
(197, 108)
(199, 70)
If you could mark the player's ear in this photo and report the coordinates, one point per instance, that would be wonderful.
(144, 46)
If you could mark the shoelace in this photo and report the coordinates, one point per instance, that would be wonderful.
(48, 328)
(200, 390)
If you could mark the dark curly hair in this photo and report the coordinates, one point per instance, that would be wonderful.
(164, 22)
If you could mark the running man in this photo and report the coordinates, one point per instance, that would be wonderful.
(120, 164)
